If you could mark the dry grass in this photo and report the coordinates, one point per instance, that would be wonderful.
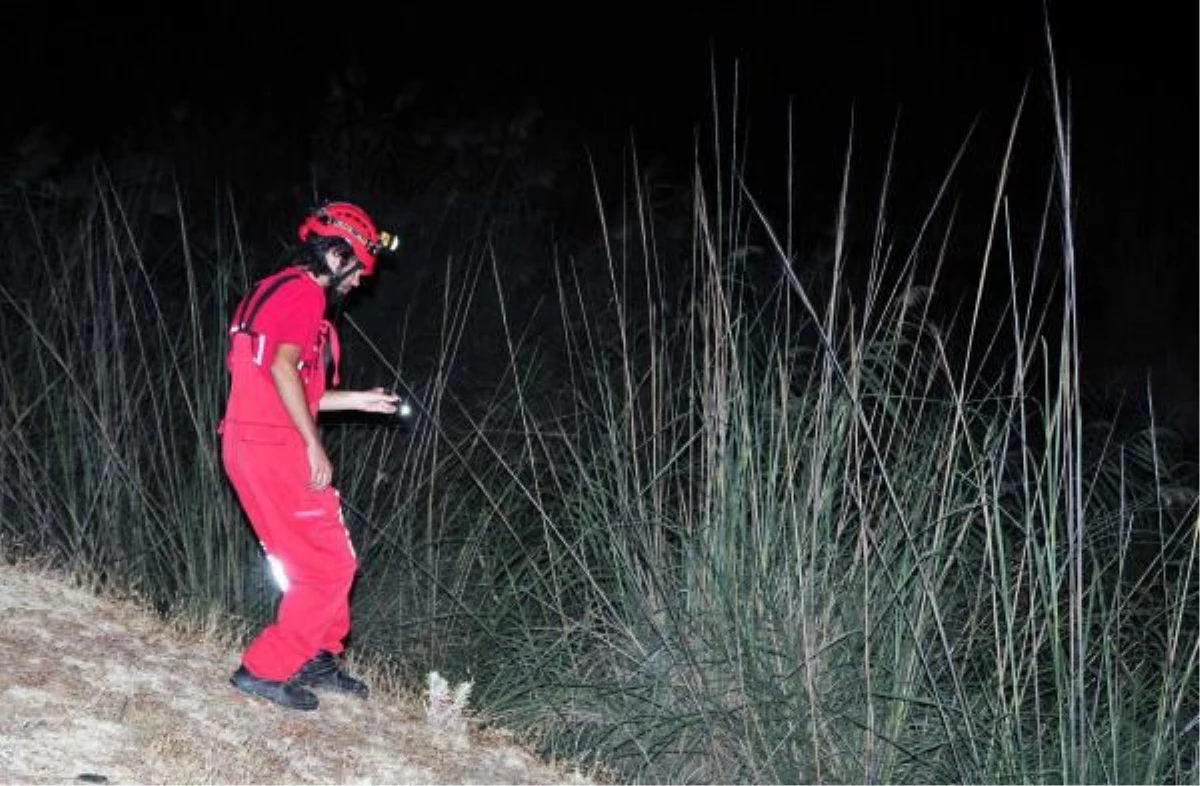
(98, 689)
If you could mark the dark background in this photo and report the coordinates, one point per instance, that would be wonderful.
(88, 76)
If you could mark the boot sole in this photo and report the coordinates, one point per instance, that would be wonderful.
(331, 686)
(276, 694)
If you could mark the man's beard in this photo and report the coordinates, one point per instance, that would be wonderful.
(335, 293)
(335, 296)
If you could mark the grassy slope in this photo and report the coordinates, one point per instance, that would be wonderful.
(100, 686)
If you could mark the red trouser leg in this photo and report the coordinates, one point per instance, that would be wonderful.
(303, 531)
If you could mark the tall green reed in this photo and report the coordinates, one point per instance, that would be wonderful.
(824, 536)
(112, 402)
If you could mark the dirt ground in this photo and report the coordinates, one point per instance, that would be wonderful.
(99, 690)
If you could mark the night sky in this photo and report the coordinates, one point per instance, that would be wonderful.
(88, 72)
(97, 67)
(93, 63)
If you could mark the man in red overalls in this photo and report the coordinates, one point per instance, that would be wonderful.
(281, 348)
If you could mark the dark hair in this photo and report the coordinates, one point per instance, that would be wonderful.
(310, 254)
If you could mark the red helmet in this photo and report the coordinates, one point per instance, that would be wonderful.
(352, 224)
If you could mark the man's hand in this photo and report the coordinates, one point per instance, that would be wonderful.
(320, 468)
(377, 400)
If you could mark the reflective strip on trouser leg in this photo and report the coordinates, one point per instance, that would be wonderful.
(278, 574)
(303, 532)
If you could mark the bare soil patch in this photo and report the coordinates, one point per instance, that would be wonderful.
(99, 689)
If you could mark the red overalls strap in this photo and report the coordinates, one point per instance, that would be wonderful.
(331, 351)
(252, 399)
(252, 396)
(247, 310)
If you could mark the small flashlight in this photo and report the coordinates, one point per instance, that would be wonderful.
(405, 412)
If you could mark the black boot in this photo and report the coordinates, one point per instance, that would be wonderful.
(285, 694)
(323, 672)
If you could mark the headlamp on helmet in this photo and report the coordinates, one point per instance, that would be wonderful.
(352, 224)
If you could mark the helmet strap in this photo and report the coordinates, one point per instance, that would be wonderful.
(336, 279)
